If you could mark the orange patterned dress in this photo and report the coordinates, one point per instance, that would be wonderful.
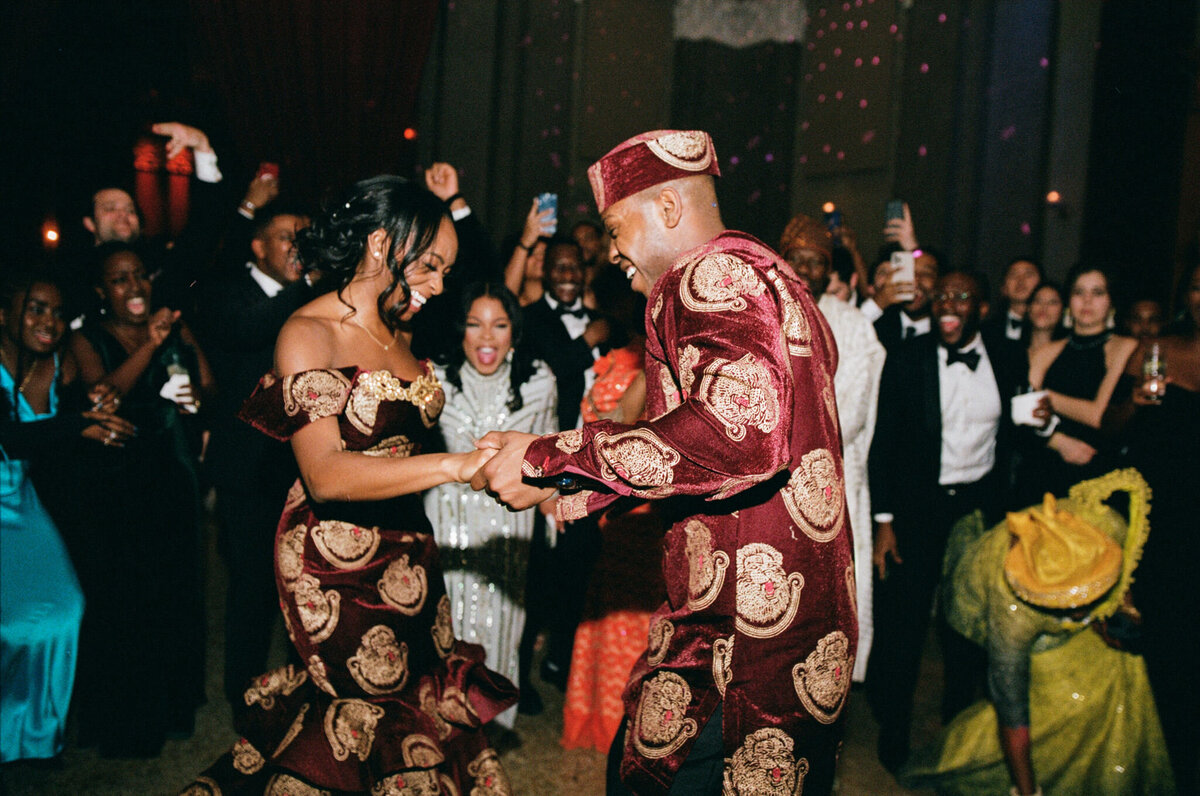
(616, 619)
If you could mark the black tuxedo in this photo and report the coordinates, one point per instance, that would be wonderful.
(904, 468)
(252, 472)
(889, 329)
(569, 359)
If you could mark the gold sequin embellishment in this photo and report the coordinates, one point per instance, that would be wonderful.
(377, 386)
(687, 150)
(317, 393)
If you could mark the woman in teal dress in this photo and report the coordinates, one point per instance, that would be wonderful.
(386, 700)
(1069, 713)
(41, 605)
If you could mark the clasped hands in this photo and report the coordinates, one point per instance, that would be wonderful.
(501, 475)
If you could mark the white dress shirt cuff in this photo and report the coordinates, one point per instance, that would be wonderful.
(206, 166)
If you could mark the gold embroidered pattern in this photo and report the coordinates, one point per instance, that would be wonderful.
(295, 496)
(530, 471)
(202, 786)
(408, 783)
(637, 457)
(794, 323)
(574, 506)
(822, 680)
(706, 566)
(658, 305)
(740, 394)
(767, 598)
(420, 751)
(490, 777)
(731, 486)
(404, 587)
(852, 589)
(289, 555)
(718, 282)
(277, 682)
(377, 386)
(443, 628)
(319, 610)
(815, 497)
(350, 727)
(722, 665)
(660, 638)
(381, 664)
(246, 758)
(429, 706)
(318, 393)
(660, 725)
(672, 396)
(765, 766)
(398, 447)
(689, 358)
(287, 785)
(570, 441)
(293, 731)
(687, 150)
(320, 675)
(344, 544)
(830, 403)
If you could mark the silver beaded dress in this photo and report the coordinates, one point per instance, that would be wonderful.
(484, 546)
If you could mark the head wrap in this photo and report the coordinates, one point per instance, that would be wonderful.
(803, 232)
(651, 159)
(1059, 560)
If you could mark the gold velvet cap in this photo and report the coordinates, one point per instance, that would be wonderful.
(1059, 561)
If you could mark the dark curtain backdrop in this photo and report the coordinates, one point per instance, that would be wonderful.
(325, 89)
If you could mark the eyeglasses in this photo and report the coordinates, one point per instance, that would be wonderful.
(962, 298)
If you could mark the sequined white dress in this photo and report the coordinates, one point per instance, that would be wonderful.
(484, 546)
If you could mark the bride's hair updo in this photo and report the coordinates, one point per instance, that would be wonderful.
(336, 242)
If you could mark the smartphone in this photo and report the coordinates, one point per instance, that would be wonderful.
(895, 209)
(549, 201)
(265, 168)
(833, 220)
(904, 269)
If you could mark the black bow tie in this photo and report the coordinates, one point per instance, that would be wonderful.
(563, 309)
(1014, 323)
(968, 358)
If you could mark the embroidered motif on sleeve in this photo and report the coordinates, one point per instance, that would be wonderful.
(815, 497)
(287, 785)
(658, 305)
(719, 282)
(722, 665)
(490, 776)
(660, 639)
(350, 727)
(637, 457)
(740, 394)
(706, 566)
(569, 441)
(344, 544)
(672, 396)
(765, 765)
(767, 597)
(822, 680)
(404, 587)
(319, 610)
(246, 758)
(282, 681)
(660, 724)
(443, 628)
(689, 358)
(574, 506)
(532, 471)
(318, 393)
(796, 328)
(380, 665)
(398, 447)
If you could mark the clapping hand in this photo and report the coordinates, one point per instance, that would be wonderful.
(501, 475)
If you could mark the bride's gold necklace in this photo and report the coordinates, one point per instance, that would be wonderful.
(28, 376)
(374, 339)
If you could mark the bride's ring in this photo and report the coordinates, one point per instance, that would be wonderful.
(112, 437)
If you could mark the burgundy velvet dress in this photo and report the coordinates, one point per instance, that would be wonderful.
(744, 454)
(388, 702)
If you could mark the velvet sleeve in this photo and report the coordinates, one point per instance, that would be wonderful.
(725, 431)
(281, 406)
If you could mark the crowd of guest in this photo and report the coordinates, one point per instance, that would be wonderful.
(114, 427)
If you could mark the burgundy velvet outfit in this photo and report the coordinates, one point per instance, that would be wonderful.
(745, 452)
(388, 698)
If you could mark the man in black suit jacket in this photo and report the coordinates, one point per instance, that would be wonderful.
(569, 338)
(242, 314)
(942, 441)
(911, 319)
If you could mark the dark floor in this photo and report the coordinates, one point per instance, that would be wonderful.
(538, 766)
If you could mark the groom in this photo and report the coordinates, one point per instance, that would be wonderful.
(749, 659)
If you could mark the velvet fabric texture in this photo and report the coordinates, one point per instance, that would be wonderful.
(388, 696)
(743, 455)
(649, 159)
